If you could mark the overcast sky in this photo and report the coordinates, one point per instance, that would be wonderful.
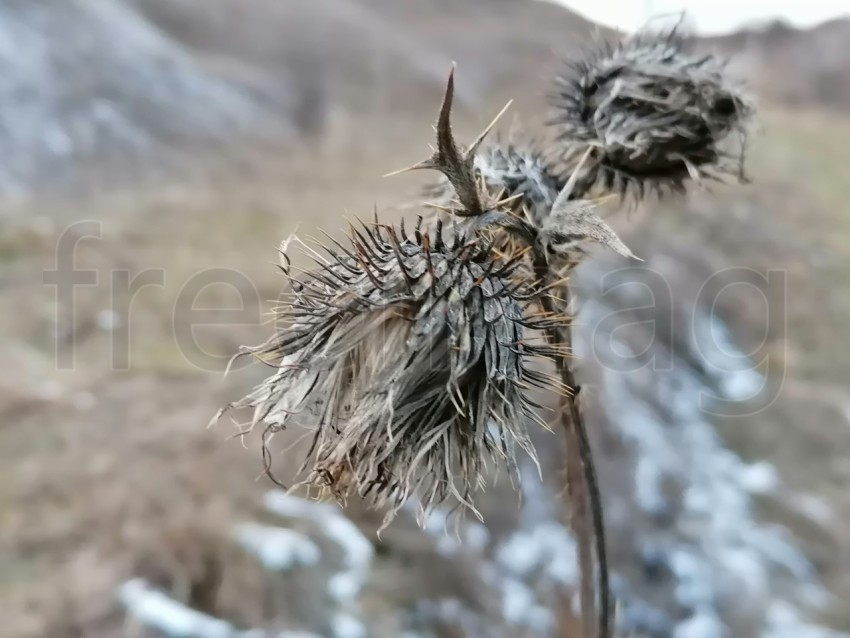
(709, 16)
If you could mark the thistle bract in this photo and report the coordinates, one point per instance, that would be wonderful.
(653, 114)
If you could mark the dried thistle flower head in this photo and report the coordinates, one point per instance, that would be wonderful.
(409, 357)
(653, 114)
(517, 174)
(520, 178)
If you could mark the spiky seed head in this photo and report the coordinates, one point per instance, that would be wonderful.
(517, 174)
(409, 358)
(654, 115)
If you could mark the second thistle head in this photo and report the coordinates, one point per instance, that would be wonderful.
(653, 114)
(516, 173)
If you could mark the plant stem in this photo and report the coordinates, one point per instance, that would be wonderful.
(583, 485)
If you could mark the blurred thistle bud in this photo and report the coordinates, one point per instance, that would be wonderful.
(517, 174)
(653, 115)
(410, 358)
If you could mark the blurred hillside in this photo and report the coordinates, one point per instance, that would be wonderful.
(180, 78)
(798, 67)
(196, 134)
(114, 88)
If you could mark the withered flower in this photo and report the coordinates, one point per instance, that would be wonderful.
(653, 114)
(410, 356)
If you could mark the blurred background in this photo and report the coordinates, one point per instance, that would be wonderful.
(153, 154)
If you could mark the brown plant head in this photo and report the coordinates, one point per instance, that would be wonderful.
(410, 358)
(653, 115)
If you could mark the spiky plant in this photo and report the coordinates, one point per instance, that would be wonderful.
(411, 357)
(653, 114)
(401, 350)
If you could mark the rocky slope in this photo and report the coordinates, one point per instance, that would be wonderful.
(801, 67)
(93, 90)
